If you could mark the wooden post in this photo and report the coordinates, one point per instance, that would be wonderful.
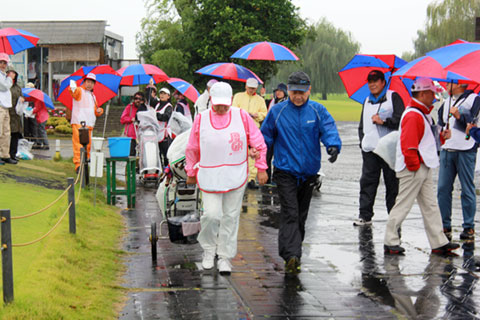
(71, 199)
(477, 29)
(7, 266)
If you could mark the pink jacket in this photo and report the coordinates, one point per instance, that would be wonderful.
(40, 112)
(126, 119)
(254, 136)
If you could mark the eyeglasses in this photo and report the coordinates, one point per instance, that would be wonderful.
(138, 98)
(3, 62)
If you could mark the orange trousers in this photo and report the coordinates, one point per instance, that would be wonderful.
(77, 146)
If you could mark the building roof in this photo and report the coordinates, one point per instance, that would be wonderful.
(62, 32)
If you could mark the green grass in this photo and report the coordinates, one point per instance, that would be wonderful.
(64, 276)
(341, 107)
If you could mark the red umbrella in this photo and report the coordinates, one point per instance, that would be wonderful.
(16, 40)
(136, 74)
(31, 94)
(106, 86)
(185, 88)
(228, 71)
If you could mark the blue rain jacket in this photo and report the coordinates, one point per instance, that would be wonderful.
(295, 134)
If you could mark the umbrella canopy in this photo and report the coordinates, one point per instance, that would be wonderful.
(106, 86)
(31, 94)
(16, 40)
(354, 75)
(137, 74)
(185, 88)
(228, 71)
(264, 51)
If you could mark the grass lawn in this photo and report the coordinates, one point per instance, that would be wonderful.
(63, 276)
(341, 107)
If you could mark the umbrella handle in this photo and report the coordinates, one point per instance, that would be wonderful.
(106, 116)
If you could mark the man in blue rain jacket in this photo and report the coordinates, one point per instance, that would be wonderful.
(295, 128)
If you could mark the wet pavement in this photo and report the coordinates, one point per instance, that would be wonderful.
(345, 274)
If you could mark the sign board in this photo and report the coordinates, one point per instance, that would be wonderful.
(96, 164)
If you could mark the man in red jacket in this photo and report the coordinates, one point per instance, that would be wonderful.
(417, 154)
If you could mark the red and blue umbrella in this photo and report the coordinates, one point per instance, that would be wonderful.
(185, 88)
(31, 94)
(106, 86)
(228, 71)
(137, 74)
(264, 51)
(354, 75)
(15, 40)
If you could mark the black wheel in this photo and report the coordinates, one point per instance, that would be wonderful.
(153, 240)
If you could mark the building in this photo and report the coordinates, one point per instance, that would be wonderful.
(63, 47)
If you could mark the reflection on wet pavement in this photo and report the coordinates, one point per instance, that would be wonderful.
(345, 274)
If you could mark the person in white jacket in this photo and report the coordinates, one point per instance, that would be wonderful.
(6, 82)
(203, 101)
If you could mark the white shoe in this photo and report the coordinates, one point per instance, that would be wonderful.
(208, 260)
(224, 266)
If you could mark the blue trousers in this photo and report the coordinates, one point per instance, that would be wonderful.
(453, 163)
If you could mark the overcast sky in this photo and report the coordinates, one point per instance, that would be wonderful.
(381, 26)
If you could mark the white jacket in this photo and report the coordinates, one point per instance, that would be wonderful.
(5, 94)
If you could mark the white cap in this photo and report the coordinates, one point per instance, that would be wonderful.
(221, 93)
(252, 83)
(211, 82)
(4, 57)
(425, 84)
(165, 90)
(29, 85)
(91, 76)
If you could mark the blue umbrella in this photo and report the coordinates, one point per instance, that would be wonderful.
(228, 71)
(264, 51)
(31, 94)
(354, 75)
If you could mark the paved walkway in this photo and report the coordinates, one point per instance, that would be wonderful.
(345, 274)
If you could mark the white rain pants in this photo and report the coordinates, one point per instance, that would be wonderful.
(220, 221)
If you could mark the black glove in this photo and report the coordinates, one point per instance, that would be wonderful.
(333, 152)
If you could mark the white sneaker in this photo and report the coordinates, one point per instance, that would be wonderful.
(208, 260)
(224, 266)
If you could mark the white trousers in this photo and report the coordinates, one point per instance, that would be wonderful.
(220, 221)
(416, 185)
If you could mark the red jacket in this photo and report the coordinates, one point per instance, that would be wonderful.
(127, 118)
(41, 113)
(413, 128)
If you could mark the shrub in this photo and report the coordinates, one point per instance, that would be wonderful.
(63, 129)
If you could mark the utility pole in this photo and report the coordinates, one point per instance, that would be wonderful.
(477, 29)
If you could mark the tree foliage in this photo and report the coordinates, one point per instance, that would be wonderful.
(181, 36)
(447, 21)
(325, 51)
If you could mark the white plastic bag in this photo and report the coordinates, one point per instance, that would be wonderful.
(387, 148)
(178, 123)
(24, 149)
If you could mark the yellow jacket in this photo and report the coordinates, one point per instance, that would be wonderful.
(251, 104)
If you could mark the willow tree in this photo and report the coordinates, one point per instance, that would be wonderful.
(325, 51)
(447, 21)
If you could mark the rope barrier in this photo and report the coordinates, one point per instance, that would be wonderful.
(80, 172)
(45, 235)
(41, 210)
(79, 189)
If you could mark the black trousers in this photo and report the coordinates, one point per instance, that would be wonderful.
(163, 148)
(269, 163)
(372, 167)
(14, 137)
(295, 196)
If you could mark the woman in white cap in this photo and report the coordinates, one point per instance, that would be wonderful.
(6, 82)
(217, 160)
(84, 108)
(164, 111)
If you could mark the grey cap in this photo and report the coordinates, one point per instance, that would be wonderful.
(298, 81)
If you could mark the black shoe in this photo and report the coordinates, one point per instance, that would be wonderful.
(2, 163)
(251, 185)
(393, 249)
(37, 146)
(446, 249)
(467, 234)
(293, 265)
(448, 233)
(45, 147)
(9, 161)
